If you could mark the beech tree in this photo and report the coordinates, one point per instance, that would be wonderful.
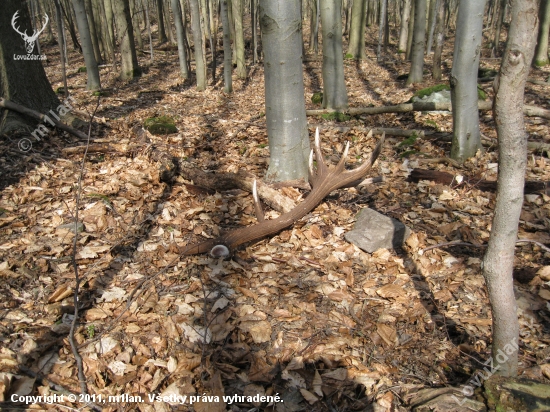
(200, 61)
(87, 47)
(227, 62)
(404, 28)
(419, 42)
(129, 63)
(15, 74)
(356, 47)
(469, 26)
(284, 90)
(498, 262)
(180, 35)
(541, 52)
(334, 84)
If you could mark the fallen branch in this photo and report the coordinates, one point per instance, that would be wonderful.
(9, 105)
(424, 107)
(481, 184)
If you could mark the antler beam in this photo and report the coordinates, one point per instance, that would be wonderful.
(323, 181)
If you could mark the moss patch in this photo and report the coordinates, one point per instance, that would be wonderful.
(317, 98)
(429, 90)
(338, 116)
(160, 125)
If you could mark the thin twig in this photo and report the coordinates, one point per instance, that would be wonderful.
(74, 348)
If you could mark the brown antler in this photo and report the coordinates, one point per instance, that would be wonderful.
(323, 182)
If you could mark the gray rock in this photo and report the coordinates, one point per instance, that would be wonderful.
(374, 231)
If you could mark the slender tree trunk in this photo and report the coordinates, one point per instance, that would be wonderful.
(200, 62)
(541, 52)
(110, 27)
(180, 33)
(498, 262)
(61, 42)
(87, 47)
(410, 32)
(439, 38)
(382, 28)
(135, 24)
(239, 38)
(93, 34)
(334, 85)
(404, 30)
(417, 58)
(356, 48)
(431, 25)
(227, 61)
(496, 40)
(254, 28)
(469, 27)
(148, 24)
(162, 31)
(129, 63)
(284, 90)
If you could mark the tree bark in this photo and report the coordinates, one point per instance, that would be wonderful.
(439, 38)
(161, 29)
(92, 70)
(284, 90)
(541, 52)
(200, 62)
(419, 42)
(239, 38)
(466, 134)
(334, 85)
(180, 34)
(227, 62)
(498, 262)
(356, 48)
(404, 29)
(129, 63)
(16, 74)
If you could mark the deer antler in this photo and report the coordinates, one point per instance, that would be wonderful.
(324, 181)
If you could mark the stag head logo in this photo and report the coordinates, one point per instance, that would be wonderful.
(29, 40)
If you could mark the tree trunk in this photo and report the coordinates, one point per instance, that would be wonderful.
(498, 262)
(15, 73)
(239, 38)
(180, 33)
(541, 52)
(439, 38)
(419, 38)
(356, 48)
(431, 24)
(129, 64)
(410, 32)
(93, 34)
(381, 27)
(469, 26)
(200, 61)
(135, 24)
(161, 29)
(227, 62)
(334, 85)
(496, 40)
(110, 32)
(87, 47)
(404, 30)
(284, 90)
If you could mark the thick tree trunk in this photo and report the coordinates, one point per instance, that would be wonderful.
(334, 85)
(227, 62)
(439, 38)
(404, 30)
(239, 38)
(419, 42)
(200, 61)
(92, 70)
(356, 48)
(541, 52)
(498, 262)
(129, 63)
(469, 26)
(162, 31)
(16, 73)
(180, 34)
(284, 90)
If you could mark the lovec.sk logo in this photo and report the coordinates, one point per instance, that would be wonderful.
(29, 40)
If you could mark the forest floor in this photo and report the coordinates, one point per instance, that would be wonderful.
(303, 315)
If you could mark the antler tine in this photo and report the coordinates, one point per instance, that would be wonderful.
(13, 20)
(310, 167)
(321, 165)
(342, 163)
(257, 205)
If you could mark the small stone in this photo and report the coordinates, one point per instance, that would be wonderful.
(374, 231)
